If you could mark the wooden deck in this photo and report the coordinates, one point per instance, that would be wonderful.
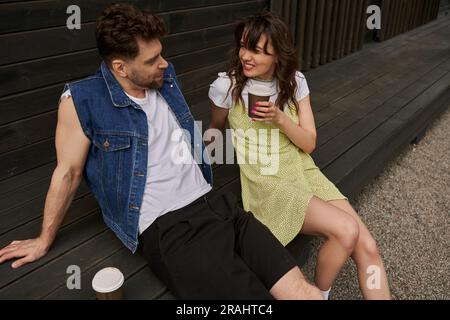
(368, 107)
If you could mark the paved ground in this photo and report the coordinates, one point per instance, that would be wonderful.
(407, 208)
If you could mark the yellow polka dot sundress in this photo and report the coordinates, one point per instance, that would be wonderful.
(278, 198)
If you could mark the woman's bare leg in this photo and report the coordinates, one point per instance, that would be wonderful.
(341, 232)
(371, 273)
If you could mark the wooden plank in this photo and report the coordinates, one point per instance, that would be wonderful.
(123, 259)
(318, 30)
(383, 33)
(144, 285)
(340, 29)
(70, 236)
(363, 24)
(419, 104)
(358, 110)
(286, 14)
(346, 18)
(195, 61)
(360, 164)
(371, 143)
(199, 78)
(293, 17)
(361, 72)
(136, 287)
(333, 27)
(30, 103)
(337, 146)
(199, 39)
(277, 7)
(402, 16)
(198, 101)
(31, 191)
(167, 296)
(420, 10)
(27, 158)
(17, 107)
(16, 183)
(348, 86)
(398, 17)
(423, 32)
(351, 27)
(27, 132)
(358, 27)
(21, 208)
(309, 34)
(43, 41)
(181, 21)
(326, 32)
(300, 32)
(45, 14)
(411, 22)
(364, 68)
(39, 73)
(49, 277)
(320, 122)
(43, 100)
(32, 210)
(408, 9)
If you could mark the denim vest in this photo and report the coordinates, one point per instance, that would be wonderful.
(116, 165)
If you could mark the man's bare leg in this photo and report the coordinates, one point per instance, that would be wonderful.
(293, 286)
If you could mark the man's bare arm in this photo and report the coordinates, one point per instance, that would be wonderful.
(72, 147)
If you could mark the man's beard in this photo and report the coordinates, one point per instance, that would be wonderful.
(145, 84)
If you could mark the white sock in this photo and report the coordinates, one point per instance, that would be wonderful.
(325, 294)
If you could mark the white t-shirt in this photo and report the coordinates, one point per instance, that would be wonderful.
(169, 185)
(219, 88)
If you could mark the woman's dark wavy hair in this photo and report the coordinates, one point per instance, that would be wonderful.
(278, 35)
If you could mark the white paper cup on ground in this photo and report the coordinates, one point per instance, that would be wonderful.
(108, 284)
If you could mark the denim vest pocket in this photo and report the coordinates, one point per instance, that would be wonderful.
(110, 143)
(115, 154)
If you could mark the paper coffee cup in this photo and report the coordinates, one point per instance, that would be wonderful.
(257, 93)
(107, 284)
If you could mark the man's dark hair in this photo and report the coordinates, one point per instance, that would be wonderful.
(119, 27)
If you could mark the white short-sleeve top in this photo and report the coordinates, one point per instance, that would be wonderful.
(218, 90)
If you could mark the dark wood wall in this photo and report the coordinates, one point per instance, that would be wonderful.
(400, 16)
(327, 30)
(39, 54)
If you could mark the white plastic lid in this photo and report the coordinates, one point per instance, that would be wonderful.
(107, 280)
(260, 90)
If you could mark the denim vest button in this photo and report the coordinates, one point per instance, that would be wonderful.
(106, 144)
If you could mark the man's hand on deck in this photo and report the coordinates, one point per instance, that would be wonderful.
(25, 251)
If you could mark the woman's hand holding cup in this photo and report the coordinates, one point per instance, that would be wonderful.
(267, 112)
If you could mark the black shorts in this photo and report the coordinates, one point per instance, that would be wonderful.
(212, 249)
